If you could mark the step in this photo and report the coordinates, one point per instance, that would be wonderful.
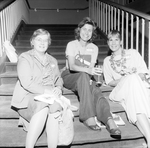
(56, 42)
(7, 89)
(53, 37)
(7, 113)
(33, 27)
(52, 32)
(61, 63)
(13, 66)
(57, 48)
(83, 137)
(10, 75)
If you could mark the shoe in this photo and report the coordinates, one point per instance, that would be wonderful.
(114, 133)
(92, 127)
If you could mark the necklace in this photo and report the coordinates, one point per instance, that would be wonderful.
(118, 65)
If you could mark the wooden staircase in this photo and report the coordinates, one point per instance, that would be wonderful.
(12, 136)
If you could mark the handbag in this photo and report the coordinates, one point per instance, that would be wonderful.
(65, 125)
(66, 128)
(65, 118)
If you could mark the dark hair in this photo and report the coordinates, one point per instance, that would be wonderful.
(89, 21)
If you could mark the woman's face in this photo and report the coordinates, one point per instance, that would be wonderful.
(86, 32)
(41, 43)
(114, 43)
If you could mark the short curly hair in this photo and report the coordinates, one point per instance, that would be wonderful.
(40, 32)
(86, 20)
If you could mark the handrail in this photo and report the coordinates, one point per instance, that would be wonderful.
(132, 11)
(5, 3)
(9, 22)
(134, 25)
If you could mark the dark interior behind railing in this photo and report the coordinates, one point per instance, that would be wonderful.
(5, 3)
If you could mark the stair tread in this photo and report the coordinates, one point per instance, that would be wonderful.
(9, 129)
(8, 89)
(9, 74)
(7, 113)
(56, 46)
(63, 53)
(60, 61)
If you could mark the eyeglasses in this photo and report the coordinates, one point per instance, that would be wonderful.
(41, 40)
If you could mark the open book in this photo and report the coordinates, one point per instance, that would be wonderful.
(50, 98)
(117, 119)
(47, 98)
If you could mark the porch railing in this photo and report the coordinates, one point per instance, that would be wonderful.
(134, 25)
(10, 18)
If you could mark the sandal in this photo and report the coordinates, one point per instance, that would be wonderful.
(92, 127)
(114, 133)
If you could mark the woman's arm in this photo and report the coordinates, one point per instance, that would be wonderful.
(114, 83)
(90, 70)
(58, 82)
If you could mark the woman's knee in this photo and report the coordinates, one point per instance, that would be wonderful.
(102, 104)
(103, 110)
(55, 107)
(84, 77)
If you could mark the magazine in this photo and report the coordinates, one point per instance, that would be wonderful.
(118, 120)
(47, 98)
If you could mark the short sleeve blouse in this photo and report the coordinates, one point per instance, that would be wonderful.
(74, 48)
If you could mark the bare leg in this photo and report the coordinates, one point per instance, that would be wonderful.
(52, 130)
(144, 126)
(35, 127)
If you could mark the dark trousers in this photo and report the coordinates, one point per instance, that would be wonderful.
(92, 102)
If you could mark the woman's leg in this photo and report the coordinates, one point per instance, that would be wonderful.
(144, 126)
(36, 126)
(80, 82)
(87, 107)
(103, 112)
(101, 104)
(52, 130)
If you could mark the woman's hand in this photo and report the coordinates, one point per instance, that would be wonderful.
(142, 76)
(95, 71)
(55, 107)
(115, 82)
(57, 91)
